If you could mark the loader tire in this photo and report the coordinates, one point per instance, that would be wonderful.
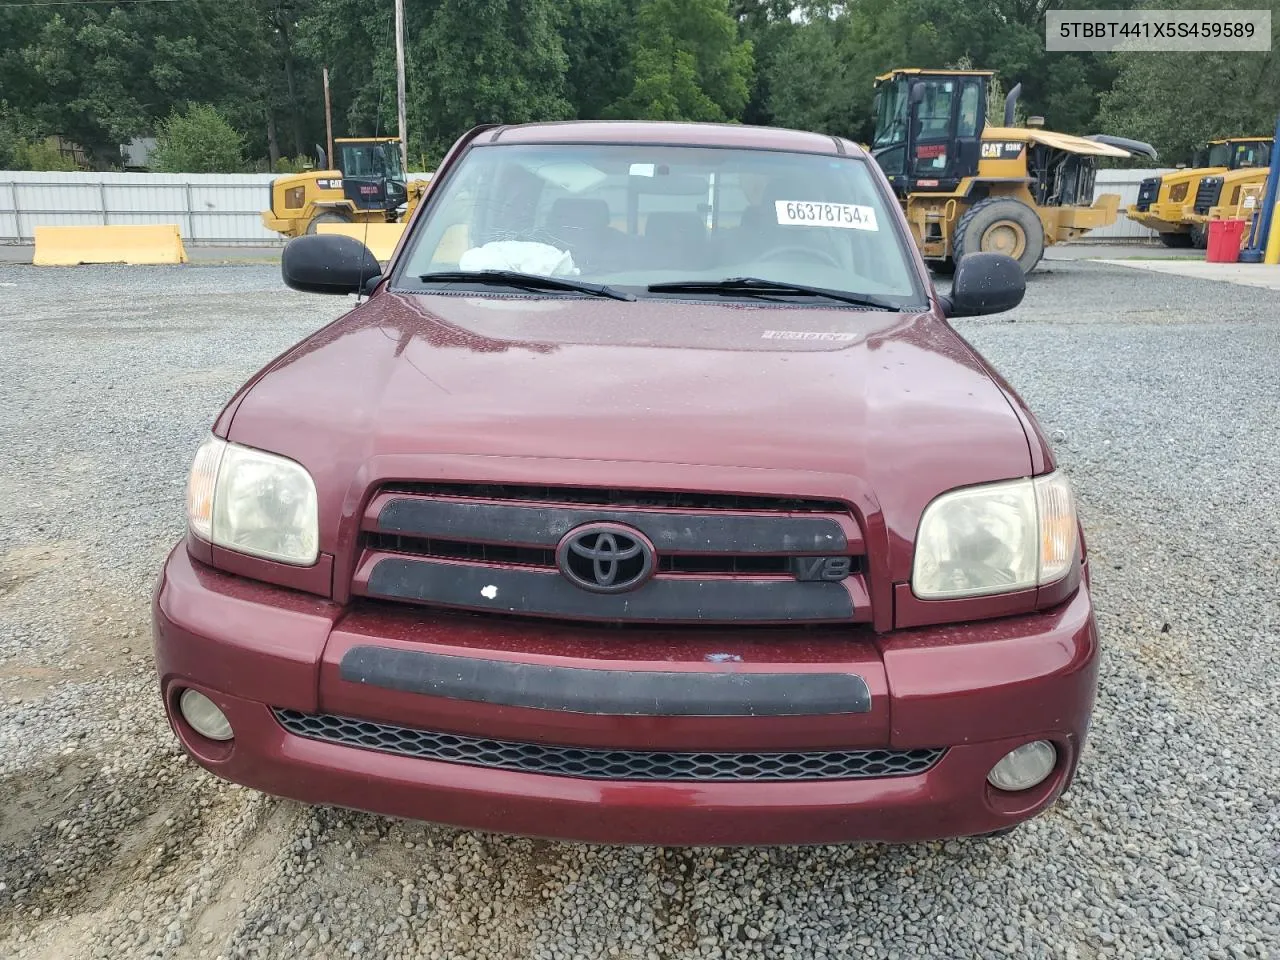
(330, 217)
(1180, 240)
(1199, 237)
(1001, 225)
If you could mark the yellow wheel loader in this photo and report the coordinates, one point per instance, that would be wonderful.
(1234, 194)
(1166, 204)
(968, 185)
(365, 185)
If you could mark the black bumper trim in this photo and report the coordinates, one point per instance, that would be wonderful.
(646, 693)
(663, 599)
(543, 526)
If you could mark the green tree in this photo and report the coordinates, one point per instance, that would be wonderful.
(768, 25)
(597, 36)
(198, 141)
(40, 155)
(1177, 101)
(823, 76)
(688, 63)
(99, 75)
(814, 84)
(10, 135)
(484, 61)
(363, 87)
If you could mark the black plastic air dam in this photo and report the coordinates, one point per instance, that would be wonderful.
(698, 693)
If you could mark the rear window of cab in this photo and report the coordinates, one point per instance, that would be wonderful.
(634, 215)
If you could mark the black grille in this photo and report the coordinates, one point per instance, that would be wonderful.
(600, 496)
(1207, 194)
(598, 764)
(710, 557)
(541, 557)
(1147, 193)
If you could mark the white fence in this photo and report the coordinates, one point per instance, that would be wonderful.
(1125, 183)
(209, 209)
(224, 209)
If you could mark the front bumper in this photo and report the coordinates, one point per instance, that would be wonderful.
(278, 224)
(1069, 222)
(977, 691)
(1160, 217)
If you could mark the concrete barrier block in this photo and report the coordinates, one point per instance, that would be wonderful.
(380, 238)
(126, 243)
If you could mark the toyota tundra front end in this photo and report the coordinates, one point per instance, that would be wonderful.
(648, 498)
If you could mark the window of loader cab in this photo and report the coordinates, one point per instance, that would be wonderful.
(1219, 155)
(634, 215)
(933, 128)
(371, 160)
(934, 113)
(1249, 155)
(970, 109)
(891, 113)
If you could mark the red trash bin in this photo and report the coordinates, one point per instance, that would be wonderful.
(1225, 237)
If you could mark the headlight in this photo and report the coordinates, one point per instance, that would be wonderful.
(995, 538)
(253, 502)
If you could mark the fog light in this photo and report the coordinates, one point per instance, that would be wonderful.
(204, 716)
(1025, 766)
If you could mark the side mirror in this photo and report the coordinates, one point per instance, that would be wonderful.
(984, 283)
(328, 263)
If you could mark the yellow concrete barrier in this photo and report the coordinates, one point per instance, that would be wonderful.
(380, 238)
(126, 243)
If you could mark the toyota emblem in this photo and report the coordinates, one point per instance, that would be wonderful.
(605, 557)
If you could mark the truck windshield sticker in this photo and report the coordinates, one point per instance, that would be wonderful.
(803, 213)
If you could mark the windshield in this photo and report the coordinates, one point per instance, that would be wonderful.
(891, 114)
(391, 157)
(1254, 153)
(372, 160)
(1219, 155)
(634, 216)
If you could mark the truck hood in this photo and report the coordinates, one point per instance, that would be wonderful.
(884, 410)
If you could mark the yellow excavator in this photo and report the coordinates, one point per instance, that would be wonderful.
(367, 184)
(1172, 204)
(969, 185)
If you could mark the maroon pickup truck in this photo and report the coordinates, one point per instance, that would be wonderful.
(646, 496)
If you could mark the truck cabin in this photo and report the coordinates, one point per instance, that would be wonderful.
(373, 177)
(929, 126)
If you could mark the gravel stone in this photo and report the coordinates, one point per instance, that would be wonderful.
(1160, 395)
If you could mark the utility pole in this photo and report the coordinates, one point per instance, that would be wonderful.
(328, 121)
(404, 141)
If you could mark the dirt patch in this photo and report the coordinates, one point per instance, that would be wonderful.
(21, 564)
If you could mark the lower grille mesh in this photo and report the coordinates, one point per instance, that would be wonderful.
(597, 764)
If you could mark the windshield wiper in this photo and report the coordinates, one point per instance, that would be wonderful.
(524, 281)
(756, 286)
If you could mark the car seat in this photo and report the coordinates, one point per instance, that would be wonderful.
(675, 240)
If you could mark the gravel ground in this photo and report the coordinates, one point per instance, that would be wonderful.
(1161, 396)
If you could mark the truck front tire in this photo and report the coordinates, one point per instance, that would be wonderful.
(329, 216)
